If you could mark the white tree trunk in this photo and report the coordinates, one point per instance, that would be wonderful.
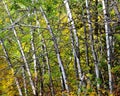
(75, 44)
(57, 50)
(34, 57)
(24, 81)
(22, 52)
(108, 42)
(33, 50)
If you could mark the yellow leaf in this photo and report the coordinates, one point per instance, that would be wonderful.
(7, 20)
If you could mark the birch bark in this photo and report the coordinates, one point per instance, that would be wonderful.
(21, 50)
(34, 57)
(41, 71)
(46, 56)
(24, 81)
(75, 42)
(34, 52)
(108, 43)
(57, 51)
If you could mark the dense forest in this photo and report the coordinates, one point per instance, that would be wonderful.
(59, 48)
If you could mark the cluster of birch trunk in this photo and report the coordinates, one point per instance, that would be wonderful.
(40, 54)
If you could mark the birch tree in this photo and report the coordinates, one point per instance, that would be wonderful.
(59, 47)
(34, 53)
(24, 81)
(57, 51)
(108, 43)
(75, 41)
(21, 50)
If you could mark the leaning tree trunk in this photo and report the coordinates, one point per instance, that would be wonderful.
(75, 42)
(92, 44)
(21, 50)
(34, 51)
(11, 67)
(57, 51)
(33, 55)
(41, 72)
(108, 43)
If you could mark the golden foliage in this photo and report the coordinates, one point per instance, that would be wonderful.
(6, 79)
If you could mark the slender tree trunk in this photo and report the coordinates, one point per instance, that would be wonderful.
(34, 58)
(24, 81)
(11, 67)
(46, 58)
(108, 43)
(49, 68)
(75, 42)
(92, 44)
(86, 47)
(86, 40)
(87, 80)
(57, 51)
(41, 79)
(34, 51)
(22, 52)
(41, 71)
